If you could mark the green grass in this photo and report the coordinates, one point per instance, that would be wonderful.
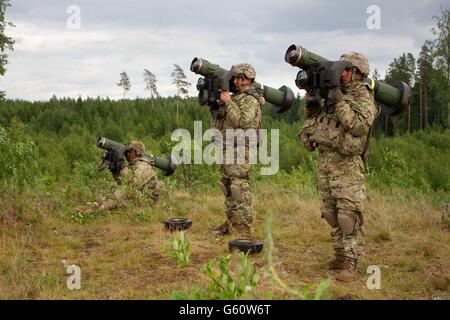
(127, 254)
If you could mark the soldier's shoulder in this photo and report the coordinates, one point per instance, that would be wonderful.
(143, 164)
(255, 91)
(365, 101)
(255, 95)
(360, 91)
(144, 169)
(362, 87)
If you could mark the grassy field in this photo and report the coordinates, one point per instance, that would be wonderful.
(126, 254)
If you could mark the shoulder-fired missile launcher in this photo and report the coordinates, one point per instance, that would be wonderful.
(281, 99)
(394, 98)
(167, 166)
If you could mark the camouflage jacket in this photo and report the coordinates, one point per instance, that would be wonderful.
(242, 112)
(344, 126)
(137, 178)
(136, 182)
(141, 171)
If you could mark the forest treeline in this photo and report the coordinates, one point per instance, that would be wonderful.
(57, 139)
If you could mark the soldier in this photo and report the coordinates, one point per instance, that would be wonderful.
(340, 130)
(242, 110)
(137, 179)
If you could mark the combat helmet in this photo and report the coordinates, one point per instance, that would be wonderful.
(358, 60)
(244, 69)
(137, 146)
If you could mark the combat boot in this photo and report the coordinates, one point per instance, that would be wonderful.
(222, 230)
(348, 273)
(337, 261)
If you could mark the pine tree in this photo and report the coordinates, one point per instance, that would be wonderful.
(402, 68)
(424, 76)
(150, 84)
(179, 80)
(124, 83)
(442, 55)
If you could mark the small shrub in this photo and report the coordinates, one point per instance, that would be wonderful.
(181, 250)
(224, 285)
(19, 158)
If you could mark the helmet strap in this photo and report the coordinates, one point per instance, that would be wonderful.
(354, 73)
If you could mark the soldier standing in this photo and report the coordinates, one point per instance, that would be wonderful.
(242, 110)
(340, 130)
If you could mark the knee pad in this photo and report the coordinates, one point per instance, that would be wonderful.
(347, 221)
(330, 216)
(223, 187)
(329, 213)
(236, 192)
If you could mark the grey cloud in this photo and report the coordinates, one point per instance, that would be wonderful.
(133, 35)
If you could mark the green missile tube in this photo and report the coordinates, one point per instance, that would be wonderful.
(281, 99)
(167, 166)
(394, 97)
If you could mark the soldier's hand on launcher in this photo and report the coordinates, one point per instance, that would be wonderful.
(225, 96)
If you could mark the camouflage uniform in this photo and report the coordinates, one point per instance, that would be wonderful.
(242, 112)
(340, 130)
(138, 179)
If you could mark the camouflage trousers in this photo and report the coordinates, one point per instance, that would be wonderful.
(238, 199)
(341, 184)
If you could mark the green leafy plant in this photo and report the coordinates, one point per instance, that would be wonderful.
(181, 250)
(224, 284)
(19, 158)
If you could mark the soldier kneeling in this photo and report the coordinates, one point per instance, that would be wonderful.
(136, 180)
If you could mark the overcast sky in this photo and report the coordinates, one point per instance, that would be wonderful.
(116, 35)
